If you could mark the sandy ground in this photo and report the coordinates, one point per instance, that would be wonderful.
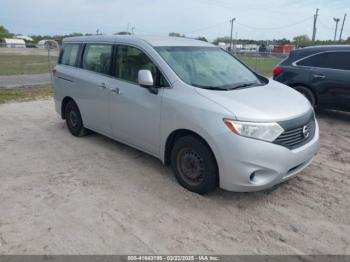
(65, 195)
(24, 80)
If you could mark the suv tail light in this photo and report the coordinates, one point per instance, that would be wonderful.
(277, 71)
(54, 71)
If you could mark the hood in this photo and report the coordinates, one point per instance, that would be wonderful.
(271, 102)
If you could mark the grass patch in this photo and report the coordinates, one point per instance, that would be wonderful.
(16, 64)
(262, 65)
(21, 94)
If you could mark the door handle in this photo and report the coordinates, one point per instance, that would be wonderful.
(102, 86)
(319, 76)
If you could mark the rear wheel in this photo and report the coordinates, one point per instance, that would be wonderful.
(74, 120)
(194, 165)
(307, 93)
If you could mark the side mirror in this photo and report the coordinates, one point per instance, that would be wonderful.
(145, 80)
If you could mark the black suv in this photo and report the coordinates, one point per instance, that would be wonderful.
(321, 74)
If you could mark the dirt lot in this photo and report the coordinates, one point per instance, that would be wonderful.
(64, 195)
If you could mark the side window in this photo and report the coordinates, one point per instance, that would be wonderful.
(314, 61)
(130, 60)
(338, 60)
(69, 54)
(332, 60)
(162, 81)
(98, 58)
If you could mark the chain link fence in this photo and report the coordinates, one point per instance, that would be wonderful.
(26, 66)
(262, 63)
(30, 60)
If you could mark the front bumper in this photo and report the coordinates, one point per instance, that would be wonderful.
(247, 164)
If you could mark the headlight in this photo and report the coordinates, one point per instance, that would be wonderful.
(263, 131)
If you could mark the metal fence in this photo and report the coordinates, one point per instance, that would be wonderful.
(38, 60)
(262, 63)
(22, 66)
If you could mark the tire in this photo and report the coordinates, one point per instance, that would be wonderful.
(73, 120)
(194, 165)
(307, 93)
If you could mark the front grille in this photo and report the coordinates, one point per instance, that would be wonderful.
(296, 137)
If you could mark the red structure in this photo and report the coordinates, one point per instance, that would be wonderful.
(283, 49)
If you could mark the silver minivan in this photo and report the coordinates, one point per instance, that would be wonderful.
(190, 104)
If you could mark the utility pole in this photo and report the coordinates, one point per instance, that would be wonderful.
(315, 24)
(336, 20)
(132, 30)
(127, 28)
(231, 21)
(342, 28)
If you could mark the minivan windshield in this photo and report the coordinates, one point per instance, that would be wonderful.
(208, 67)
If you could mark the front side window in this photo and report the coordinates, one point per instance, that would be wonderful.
(130, 60)
(98, 58)
(332, 60)
(69, 54)
(208, 67)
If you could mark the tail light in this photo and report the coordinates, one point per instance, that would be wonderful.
(277, 71)
(54, 72)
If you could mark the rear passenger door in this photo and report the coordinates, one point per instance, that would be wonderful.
(92, 86)
(330, 75)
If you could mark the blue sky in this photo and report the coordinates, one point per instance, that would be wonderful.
(256, 19)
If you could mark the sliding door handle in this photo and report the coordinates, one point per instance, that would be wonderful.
(319, 76)
(102, 86)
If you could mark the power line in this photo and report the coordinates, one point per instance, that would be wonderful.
(207, 27)
(276, 28)
(227, 5)
(324, 25)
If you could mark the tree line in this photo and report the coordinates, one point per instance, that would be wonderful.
(299, 41)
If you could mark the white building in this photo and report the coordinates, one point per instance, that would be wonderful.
(25, 38)
(14, 43)
(52, 44)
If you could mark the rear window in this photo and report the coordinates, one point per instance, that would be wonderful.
(69, 54)
(98, 58)
(332, 60)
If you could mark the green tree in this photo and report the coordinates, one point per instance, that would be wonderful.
(122, 33)
(283, 41)
(176, 34)
(302, 40)
(4, 33)
(202, 38)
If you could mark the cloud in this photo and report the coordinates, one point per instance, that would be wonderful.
(255, 18)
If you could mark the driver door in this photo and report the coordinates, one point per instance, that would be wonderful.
(135, 111)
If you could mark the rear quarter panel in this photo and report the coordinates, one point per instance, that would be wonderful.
(63, 84)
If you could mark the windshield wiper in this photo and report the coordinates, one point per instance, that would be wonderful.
(243, 85)
(210, 87)
(228, 87)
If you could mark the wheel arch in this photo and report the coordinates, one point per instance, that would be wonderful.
(64, 103)
(309, 88)
(176, 134)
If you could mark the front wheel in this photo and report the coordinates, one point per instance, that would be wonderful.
(74, 120)
(194, 165)
(307, 93)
